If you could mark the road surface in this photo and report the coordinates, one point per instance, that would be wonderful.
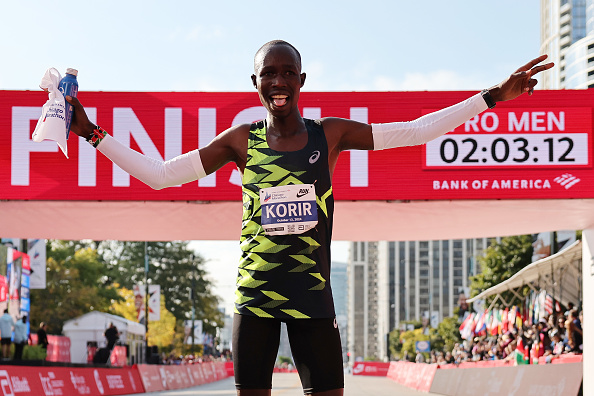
(289, 385)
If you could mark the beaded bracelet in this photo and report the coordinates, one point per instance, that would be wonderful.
(96, 136)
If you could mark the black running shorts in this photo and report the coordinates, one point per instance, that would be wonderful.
(315, 345)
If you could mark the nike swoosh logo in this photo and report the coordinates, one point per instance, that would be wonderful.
(299, 194)
(314, 157)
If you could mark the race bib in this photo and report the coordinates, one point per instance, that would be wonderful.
(288, 209)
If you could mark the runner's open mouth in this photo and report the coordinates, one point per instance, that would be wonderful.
(279, 100)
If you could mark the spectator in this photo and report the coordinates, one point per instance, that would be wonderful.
(419, 358)
(6, 326)
(557, 344)
(20, 337)
(573, 332)
(449, 358)
(569, 309)
(112, 335)
(42, 335)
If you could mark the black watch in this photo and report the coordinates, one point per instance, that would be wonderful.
(488, 98)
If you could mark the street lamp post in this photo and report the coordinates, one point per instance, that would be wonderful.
(146, 299)
(193, 298)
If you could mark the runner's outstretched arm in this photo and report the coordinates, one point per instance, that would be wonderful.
(158, 174)
(347, 134)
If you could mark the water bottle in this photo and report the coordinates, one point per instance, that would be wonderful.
(69, 86)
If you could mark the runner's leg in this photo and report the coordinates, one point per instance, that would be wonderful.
(255, 346)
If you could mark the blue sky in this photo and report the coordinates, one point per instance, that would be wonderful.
(209, 46)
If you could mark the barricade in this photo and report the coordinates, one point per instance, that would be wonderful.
(229, 369)
(68, 381)
(511, 380)
(413, 375)
(118, 358)
(168, 377)
(379, 369)
(565, 358)
(58, 348)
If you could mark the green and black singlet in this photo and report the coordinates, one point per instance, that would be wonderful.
(285, 276)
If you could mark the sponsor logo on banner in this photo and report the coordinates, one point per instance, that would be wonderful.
(5, 384)
(51, 385)
(79, 383)
(115, 381)
(98, 382)
(567, 180)
(132, 382)
(163, 377)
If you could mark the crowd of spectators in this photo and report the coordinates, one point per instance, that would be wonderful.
(556, 334)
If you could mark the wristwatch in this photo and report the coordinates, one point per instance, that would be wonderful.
(488, 98)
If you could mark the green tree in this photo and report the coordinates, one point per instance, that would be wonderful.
(449, 332)
(161, 332)
(75, 285)
(409, 341)
(172, 266)
(501, 261)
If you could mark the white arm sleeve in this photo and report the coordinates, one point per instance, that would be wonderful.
(427, 127)
(157, 174)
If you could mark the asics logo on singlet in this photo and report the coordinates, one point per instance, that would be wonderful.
(302, 192)
(314, 157)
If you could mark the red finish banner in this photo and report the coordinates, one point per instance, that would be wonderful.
(535, 147)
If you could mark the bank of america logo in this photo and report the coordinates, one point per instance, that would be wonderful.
(567, 180)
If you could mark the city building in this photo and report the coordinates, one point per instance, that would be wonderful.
(394, 282)
(567, 36)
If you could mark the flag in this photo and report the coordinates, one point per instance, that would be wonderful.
(488, 321)
(480, 324)
(467, 327)
(549, 302)
(496, 324)
(505, 321)
(518, 319)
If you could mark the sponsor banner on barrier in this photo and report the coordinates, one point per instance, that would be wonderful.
(413, 375)
(529, 148)
(58, 349)
(117, 358)
(559, 379)
(64, 381)
(371, 368)
(151, 377)
(165, 377)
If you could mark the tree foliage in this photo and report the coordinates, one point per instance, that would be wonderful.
(75, 285)
(501, 261)
(161, 332)
(449, 332)
(172, 266)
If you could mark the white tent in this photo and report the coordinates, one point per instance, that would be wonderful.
(91, 326)
(559, 274)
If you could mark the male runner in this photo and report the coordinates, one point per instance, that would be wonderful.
(286, 164)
